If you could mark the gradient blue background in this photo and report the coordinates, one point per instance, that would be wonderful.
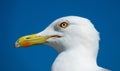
(23, 17)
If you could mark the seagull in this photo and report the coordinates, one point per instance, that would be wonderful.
(76, 40)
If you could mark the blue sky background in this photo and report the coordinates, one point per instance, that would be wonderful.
(23, 17)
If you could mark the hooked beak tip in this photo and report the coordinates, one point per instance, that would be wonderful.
(16, 45)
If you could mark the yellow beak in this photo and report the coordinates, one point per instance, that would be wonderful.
(34, 39)
(30, 40)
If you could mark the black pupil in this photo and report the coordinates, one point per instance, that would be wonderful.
(63, 24)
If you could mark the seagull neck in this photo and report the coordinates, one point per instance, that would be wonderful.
(83, 54)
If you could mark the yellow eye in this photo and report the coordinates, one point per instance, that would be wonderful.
(63, 25)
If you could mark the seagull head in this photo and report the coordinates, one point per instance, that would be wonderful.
(63, 34)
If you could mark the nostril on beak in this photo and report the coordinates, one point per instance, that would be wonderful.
(28, 37)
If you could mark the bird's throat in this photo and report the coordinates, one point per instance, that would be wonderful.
(74, 58)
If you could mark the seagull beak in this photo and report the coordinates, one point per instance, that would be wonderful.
(31, 40)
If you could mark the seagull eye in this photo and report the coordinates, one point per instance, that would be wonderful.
(63, 25)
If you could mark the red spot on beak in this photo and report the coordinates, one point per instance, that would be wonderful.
(25, 44)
